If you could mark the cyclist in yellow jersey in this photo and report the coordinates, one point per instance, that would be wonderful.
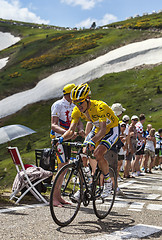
(106, 128)
(97, 112)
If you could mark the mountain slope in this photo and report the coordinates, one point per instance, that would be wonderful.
(42, 52)
(124, 58)
(136, 89)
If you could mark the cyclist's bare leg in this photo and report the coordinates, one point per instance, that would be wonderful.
(93, 164)
(99, 153)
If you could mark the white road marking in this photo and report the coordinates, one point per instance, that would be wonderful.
(119, 204)
(135, 232)
(157, 207)
(159, 188)
(152, 196)
(10, 209)
(123, 185)
(139, 186)
(136, 206)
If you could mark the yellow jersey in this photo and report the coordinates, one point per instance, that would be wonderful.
(98, 112)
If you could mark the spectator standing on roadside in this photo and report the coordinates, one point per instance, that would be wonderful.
(132, 143)
(140, 147)
(149, 150)
(122, 151)
(146, 133)
(126, 119)
(158, 150)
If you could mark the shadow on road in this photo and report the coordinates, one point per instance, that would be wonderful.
(113, 222)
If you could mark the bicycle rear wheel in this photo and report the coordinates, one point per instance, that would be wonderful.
(102, 206)
(66, 184)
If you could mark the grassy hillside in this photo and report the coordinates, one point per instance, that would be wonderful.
(135, 89)
(153, 21)
(44, 51)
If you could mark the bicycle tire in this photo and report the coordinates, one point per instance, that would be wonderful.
(70, 185)
(103, 206)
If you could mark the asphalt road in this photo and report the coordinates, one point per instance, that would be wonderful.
(136, 215)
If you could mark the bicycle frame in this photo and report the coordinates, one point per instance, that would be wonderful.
(78, 166)
(76, 180)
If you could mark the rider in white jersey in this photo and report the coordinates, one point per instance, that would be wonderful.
(60, 121)
(62, 109)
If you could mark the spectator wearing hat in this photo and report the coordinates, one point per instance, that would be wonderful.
(140, 146)
(118, 109)
(131, 142)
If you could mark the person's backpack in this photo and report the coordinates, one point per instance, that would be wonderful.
(47, 162)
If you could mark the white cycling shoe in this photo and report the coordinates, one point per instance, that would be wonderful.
(107, 189)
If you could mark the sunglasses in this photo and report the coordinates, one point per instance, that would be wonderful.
(78, 103)
(123, 126)
(135, 120)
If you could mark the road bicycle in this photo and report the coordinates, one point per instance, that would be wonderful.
(72, 178)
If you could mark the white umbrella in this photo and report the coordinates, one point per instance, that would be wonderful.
(11, 132)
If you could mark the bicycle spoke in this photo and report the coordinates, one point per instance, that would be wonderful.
(66, 184)
(102, 206)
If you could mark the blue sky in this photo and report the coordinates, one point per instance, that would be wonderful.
(75, 13)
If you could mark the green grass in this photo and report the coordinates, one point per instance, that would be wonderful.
(135, 89)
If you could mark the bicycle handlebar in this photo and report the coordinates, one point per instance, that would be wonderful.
(72, 144)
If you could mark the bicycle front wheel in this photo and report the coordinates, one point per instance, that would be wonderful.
(66, 184)
(102, 206)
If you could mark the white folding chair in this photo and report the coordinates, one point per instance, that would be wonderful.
(15, 155)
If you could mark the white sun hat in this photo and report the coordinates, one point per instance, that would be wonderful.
(118, 109)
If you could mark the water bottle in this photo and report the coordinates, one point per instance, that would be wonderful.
(88, 174)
